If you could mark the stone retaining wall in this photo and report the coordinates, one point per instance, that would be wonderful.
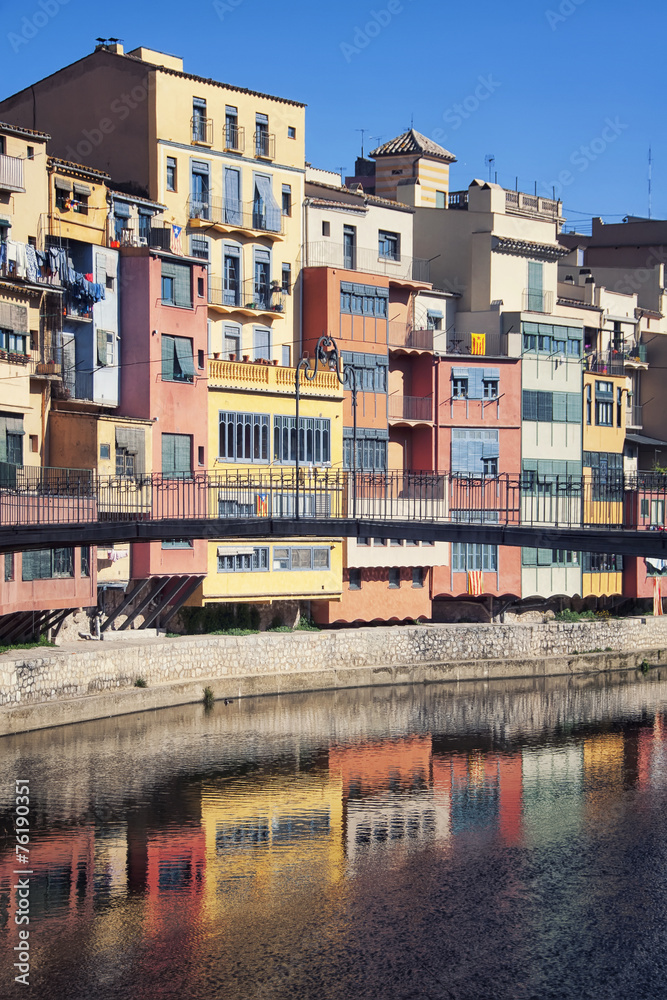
(39, 676)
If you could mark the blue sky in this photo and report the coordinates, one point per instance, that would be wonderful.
(564, 93)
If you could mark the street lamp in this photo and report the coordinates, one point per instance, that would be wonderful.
(327, 357)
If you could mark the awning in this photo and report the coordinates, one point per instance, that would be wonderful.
(235, 550)
(642, 439)
(62, 184)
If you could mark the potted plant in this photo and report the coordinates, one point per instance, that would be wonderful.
(246, 357)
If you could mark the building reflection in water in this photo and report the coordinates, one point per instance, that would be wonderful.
(250, 859)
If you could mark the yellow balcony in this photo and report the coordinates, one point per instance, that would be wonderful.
(271, 378)
(248, 218)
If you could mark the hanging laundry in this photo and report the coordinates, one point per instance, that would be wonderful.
(89, 277)
(32, 270)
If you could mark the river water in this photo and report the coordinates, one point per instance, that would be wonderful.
(490, 840)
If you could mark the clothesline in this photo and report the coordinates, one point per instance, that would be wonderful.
(22, 260)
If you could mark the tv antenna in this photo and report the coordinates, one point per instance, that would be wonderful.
(363, 133)
(489, 161)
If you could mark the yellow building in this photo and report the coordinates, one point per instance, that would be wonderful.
(30, 302)
(605, 409)
(413, 169)
(228, 163)
(252, 433)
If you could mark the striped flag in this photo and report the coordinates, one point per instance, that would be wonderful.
(262, 504)
(657, 595)
(176, 245)
(478, 343)
(475, 582)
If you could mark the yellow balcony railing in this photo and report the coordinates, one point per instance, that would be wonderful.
(270, 378)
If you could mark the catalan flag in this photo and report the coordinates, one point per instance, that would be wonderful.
(475, 582)
(478, 343)
(262, 505)
(176, 245)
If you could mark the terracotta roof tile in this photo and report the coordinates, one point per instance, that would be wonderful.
(413, 142)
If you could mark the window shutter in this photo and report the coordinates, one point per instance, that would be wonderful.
(529, 405)
(183, 348)
(544, 557)
(264, 194)
(560, 406)
(102, 358)
(475, 386)
(490, 449)
(528, 557)
(232, 196)
(459, 456)
(545, 406)
(30, 563)
(167, 358)
(574, 469)
(168, 464)
(182, 453)
(574, 408)
(475, 448)
(545, 467)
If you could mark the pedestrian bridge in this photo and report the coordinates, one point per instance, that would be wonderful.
(43, 508)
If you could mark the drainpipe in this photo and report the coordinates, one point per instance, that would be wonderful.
(304, 253)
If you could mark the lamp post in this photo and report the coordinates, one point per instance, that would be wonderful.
(327, 357)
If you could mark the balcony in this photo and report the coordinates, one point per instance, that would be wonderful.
(244, 217)
(605, 364)
(201, 130)
(324, 253)
(634, 419)
(11, 173)
(537, 302)
(415, 409)
(491, 345)
(458, 199)
(528, 205)
(265, 144)
(140, 233)
(271, 378)
(403, 336)
(233, 139)
(248, 298)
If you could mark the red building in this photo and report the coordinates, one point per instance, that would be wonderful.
(164, 379)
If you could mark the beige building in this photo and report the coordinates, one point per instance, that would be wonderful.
(228, 164)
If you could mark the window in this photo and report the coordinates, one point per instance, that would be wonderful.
(199, 121)
(9, 567)
(535, 287)
(441, 199)
(371, 453)
(231, 281)
(604, 404)
(46, 564)
(105, 347)
(177, 359)
(314, 439)
(124, 462)
(468, 556)
(232, 127)
(80, 203)
(551, 406)
(601, 562)
(286, 356)
(200, 288)
(177, 543)
(364, 300)
(433, 320)
(85, 560)
(619, 407)
(30, 152)
(490, 388)
(326, 228)
(286, 284)
(287, 199)
(394, 577)
(379, 541)
(176, 284)
(417, 576)
(395, 541)
(254, 561)
(234, 508)
(243, 437)
(200, 190)
(589, 408)
(354, 576)
(389, 245)
(105, 451)
(301, 557)
(261, 343)
(14, 343)
(459, 388)
(177, 455)
(34, 443)
(262, 138)
(474, 451)
(548, 557)
(363, 541)
(291, 132)
(171, 173)
(231, 343)
(349, 248)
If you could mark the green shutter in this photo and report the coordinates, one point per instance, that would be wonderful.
(167, 454)
(560, 407)
(528, 556)
(182, 453)
(183, 348)
(574, 407)
(544, 557)
(167, 359)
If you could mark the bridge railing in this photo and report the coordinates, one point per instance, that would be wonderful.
(70, 496)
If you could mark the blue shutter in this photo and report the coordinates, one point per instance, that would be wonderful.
(490, 449)
(232, 196)
(475, 449)
(459, 456)
(529, 405)
(545, 406)
(475, 383)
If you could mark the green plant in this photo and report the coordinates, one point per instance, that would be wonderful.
(276, 622)
(608, 649)
(307, 625)
(42, 641)
(140, 683)
(172, 635)
(567, 615)
(644, 666)
(208, 697)
(281, 628)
